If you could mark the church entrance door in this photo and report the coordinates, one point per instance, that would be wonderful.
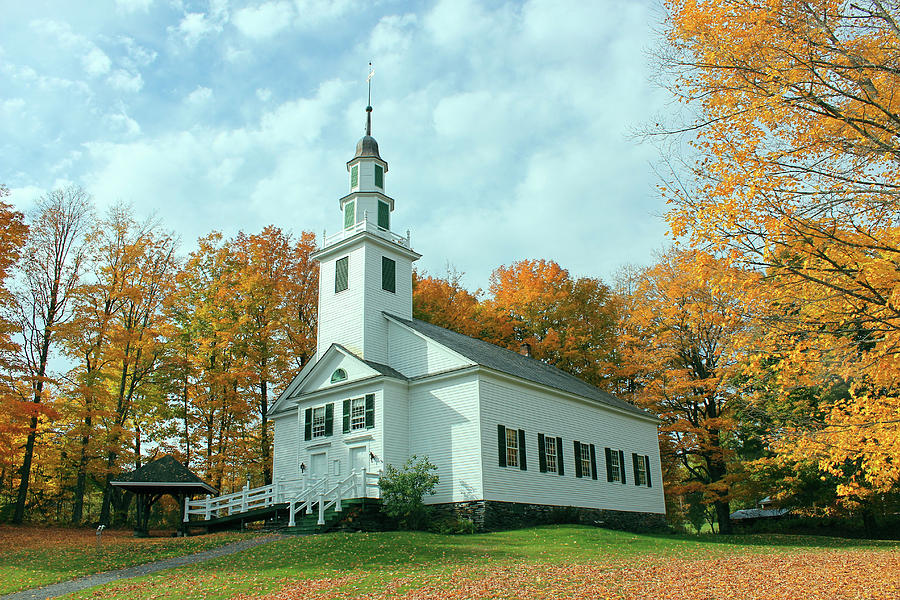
(318, 467)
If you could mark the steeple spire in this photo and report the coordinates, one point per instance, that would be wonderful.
(369, 104)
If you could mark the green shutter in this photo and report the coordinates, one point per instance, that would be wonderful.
(609, 473)
(542, 456)
(341, 274)
(379, 176)
(501, 444)
(354, 176)
(647, 465)
(388, 274)
(559, 457)
(370, 411)
(349, 217)
(329, 418)
(307, 425)
(384, 215)
(522, 450)
(622, 465)
(593, 462)
(577, 459)
(634, 466)
(346, 427)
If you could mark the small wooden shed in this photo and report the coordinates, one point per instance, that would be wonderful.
(157, 478)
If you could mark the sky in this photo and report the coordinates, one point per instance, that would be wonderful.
(508, 127)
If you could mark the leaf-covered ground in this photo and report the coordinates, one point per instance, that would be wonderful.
(543, 562)
(36, 556)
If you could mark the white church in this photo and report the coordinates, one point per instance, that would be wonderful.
(515, 440)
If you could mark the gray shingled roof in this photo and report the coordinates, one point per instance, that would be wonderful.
(515, 364)
(163, 472)
(386, 370)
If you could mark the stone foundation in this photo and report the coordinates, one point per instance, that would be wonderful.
(490, 515)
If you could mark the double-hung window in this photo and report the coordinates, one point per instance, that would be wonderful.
(615, 465)
(511, 447)
(641, 469)
(318, 422)
(550, 454)
(585, 460)
(357, 413)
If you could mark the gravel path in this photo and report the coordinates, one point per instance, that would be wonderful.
(76, 585)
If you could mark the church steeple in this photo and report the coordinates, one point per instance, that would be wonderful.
(365, 269)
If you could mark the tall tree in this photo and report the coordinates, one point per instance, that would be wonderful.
(797, 174)
(13, 233)
(50, 271)
(568, 322)
(682, 344)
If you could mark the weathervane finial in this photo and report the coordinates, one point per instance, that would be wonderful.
(369, 106)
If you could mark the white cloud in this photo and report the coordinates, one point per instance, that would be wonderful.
(201, 95)
(264, 94)
(193, 27)
(123, 124)
(94, 60)
(126, 82)
(130, 6)
(265, 20)
(315, 13)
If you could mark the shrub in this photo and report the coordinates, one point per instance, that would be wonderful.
(402, 491)
(452, 526)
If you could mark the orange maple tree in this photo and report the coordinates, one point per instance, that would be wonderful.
(797, 137)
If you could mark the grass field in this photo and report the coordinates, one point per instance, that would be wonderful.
(543, 562)
(35, 556)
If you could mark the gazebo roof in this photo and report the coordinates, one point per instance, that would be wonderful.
(163, 476)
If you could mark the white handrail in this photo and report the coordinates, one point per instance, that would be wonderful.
(358, 484)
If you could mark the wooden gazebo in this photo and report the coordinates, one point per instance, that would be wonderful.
(156, 479)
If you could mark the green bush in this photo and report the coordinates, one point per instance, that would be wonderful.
(402, 491)
(452, 526)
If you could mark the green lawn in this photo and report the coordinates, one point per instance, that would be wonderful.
(542, 560)
(34, 556)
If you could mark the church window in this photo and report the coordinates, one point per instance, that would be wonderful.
(354, 176)
(349, 217)
(338, 375)
(641, 469)
(615, 465)
(511, 446)
(359, 413)
(388, 274)
(384, 215)
(318, 421)
(341, 274)
(550, 454)
(379, 176)
(585, 460)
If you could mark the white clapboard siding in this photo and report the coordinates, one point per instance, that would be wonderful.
(395, 422)
(378, 301)
(337, 446)
(286, 442)
(444, 426)
(414, 355)
(519, 406)
(341, 314)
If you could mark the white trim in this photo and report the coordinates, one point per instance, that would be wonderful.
(318, 445)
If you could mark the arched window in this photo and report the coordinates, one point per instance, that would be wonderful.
(338, 375)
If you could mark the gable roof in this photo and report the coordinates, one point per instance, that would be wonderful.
(296, 384)
(512, 363)
(165, 472)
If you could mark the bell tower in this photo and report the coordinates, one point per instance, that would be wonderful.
(365, 269)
